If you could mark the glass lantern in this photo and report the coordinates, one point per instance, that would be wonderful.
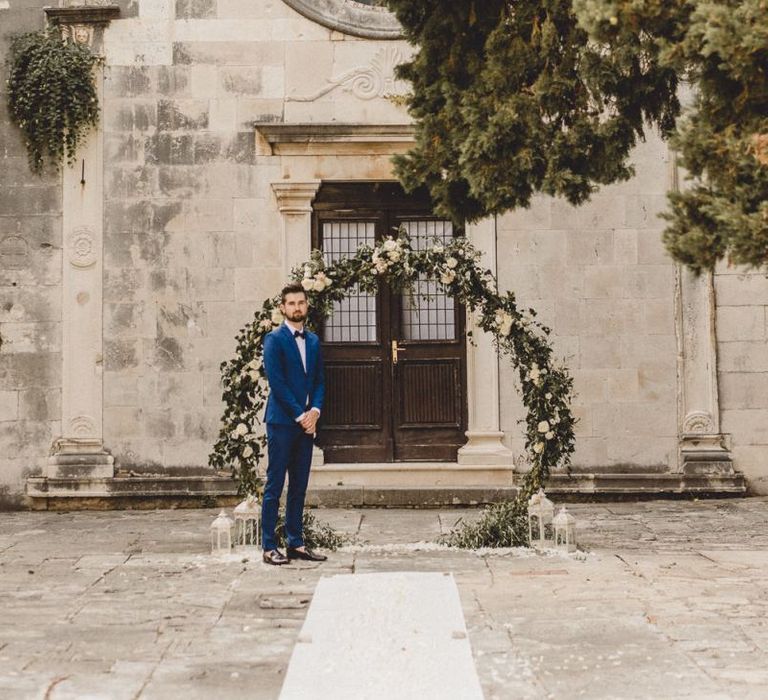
(540, 513)
(221, 534)
(565, 530)
(248, 523)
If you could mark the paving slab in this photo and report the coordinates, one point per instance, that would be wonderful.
(667, 599)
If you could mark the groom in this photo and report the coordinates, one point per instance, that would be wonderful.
(294, 366)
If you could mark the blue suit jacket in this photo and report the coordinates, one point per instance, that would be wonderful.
(289, 384)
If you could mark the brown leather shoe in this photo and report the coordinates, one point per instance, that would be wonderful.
(307, 554)
(275, 557)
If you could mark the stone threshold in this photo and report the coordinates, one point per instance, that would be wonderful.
(157, 491)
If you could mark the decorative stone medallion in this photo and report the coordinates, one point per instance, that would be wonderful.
(699, 422)
(82, 425)
(365, 19)
(81, 247)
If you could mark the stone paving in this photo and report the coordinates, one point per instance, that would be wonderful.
(668, 600)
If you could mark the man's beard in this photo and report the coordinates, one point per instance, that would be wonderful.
(298, 317)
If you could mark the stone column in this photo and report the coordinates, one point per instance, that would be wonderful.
(79, 452)
(294, 200)
(703, 449)
(484, 437)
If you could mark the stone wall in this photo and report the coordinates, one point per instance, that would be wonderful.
(742, 348)
(599, 277)
(192, 230)
(30, 289)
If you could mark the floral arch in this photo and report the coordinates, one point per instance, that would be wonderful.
(545, 387)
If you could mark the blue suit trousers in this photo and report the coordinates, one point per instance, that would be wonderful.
(290, 452)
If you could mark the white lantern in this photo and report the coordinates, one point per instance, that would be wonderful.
(565, 530)
(221, 534)
(247, 523)
(540, 513)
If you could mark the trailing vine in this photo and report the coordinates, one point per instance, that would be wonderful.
(51, 95)
(546, 387)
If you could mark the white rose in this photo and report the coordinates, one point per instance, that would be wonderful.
(390, 244)
(438, 249)
(241, 429)
(381, 267)
(319, 285)
(448, 276)
(543, 427)
(265, 324)
(394, 256)
(248, 451)
(254, 376)
(255, 363)
(549, 435)
(547, 396)
(538, 448)
(534, 374)
(307, 283)
(451, 262)
(505, 327)
(277, 317)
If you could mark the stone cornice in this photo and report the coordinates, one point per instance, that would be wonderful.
(316, 138)
(82, 14)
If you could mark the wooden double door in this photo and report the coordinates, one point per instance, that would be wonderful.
(395, 363)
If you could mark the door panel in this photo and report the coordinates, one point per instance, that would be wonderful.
(395, 363)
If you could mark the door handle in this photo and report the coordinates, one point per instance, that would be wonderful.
(395, 349)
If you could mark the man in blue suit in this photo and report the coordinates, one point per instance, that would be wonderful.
(294, 365)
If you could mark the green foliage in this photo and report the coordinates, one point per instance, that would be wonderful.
(546, 387)
(514, 98)
(316, 535)
(502, 524)
(51, 95)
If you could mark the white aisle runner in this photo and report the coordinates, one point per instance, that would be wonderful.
(389, 635)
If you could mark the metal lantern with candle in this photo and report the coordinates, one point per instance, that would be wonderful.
(248, 523)
(221, 534)
(540, 513)
(565, 530)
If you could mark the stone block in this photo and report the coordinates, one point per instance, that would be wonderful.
(601, 212)
(26, 370)
(38, 199)
(642, 451)
(622, 385)
(257, 284)
(203, 215)
(304, 84)
(533, 247)
(121, 354)
(212, 390)
(589, 385)
(121, 388)
(121, 283)
(589, 247)
(657, 382)
(659, 316)
(186, 453)
(220, 249)
(743, 390)
(651, 281)
(207, 149)
(201, 425)
(9, 405)
(749, 426)
(625, 246)
(751, 460)
(643, 212)
(121, 422)
(169, 149)
(242, 147)
(650, 249)
(204, 81)
(31, 337)
(164, 353)
(130, 115)
(211, 284)
(181, 181)
(181, 320)
(173, 81)
(741, 323)
(182, 115)
(649, 351)
(38, 404)
(157, 9)
(158, 423)
(124, 148)
(195, 9)
(132, 181)
(743, 356)
(605, 281)
(128, 320)
(599, 352)
(591, 452)
(223, 114)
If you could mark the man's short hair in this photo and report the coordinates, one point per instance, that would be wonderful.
(293, 288)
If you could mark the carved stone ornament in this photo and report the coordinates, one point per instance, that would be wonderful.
(699, 422)
(82, 426)
(81, 247)
(365, 19)
(366, 82)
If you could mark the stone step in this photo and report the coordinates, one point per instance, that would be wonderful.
(195, 491)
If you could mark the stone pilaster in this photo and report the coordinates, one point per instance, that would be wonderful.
(703, 449)
(294, 201)
(79, 452)
(484, 438)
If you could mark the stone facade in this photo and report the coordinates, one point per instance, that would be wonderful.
(221, 118)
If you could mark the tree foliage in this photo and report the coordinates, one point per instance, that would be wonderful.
(515, 97)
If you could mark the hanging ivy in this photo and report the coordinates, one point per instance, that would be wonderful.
(51, 95)
(546, 388)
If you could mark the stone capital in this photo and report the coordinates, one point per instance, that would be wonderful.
(295, 197)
